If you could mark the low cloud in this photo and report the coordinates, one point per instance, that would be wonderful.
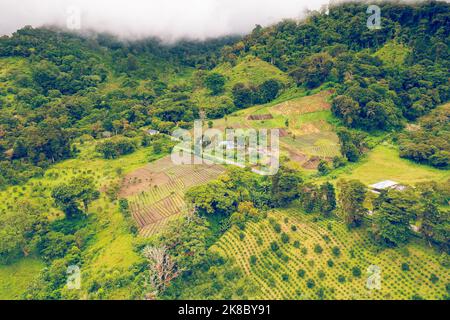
(167, 19)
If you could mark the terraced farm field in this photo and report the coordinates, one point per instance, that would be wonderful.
(309, 104)
(156, 191)
(324, 260)
(305, 126)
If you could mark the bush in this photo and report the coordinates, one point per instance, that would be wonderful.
(341, 278)
(274, 246)
(434, 278)
(336, 251)
(284, 238)
(310, 283)
(330, 263)
(356, 271)
(114, 148)
(405, 267)
(301, 273)
(253, 260)
(285, 277)
(323, 168)
(318, 249)
(277, 228)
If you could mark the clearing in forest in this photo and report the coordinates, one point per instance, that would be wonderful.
(308, 104)
(304, 124)
(156, 191)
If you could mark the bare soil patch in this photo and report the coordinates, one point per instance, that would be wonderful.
(312, 163)
(283, 132)
(267, 116)
(141, 180)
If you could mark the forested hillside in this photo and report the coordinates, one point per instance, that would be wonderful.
(82, 115)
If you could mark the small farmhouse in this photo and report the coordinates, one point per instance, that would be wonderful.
(386, 184)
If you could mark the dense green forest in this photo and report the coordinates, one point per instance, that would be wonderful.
(70, 99)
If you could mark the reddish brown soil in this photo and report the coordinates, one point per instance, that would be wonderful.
(260, 117)
(141, 180)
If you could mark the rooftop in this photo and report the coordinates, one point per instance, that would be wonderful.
(384, 184)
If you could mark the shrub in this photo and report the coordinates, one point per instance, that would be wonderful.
(405, 267)
(434, 278)
(341, 278)
(259, 241)
(296, 244)
(253, 260)
(274, 246)
(277, 228)
(321, 293)
(284, 238)
(285, 277)
(356, 271)
(318, 249)
(301, 273)
(330, 263)
(336, 251)
(310, 283)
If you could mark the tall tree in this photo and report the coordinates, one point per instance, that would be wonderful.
(393, 211)
(435, 225)
(80, 191)
(351, 201)
(285, 184)
(327, 198)
(215, 82)
(20, 228)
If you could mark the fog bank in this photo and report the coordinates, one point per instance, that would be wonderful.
(167, 19)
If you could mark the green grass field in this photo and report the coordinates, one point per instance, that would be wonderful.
(111, 249)
(15, 278)
(393, 53)
(384, 163)
(301, 270)
(250, 70)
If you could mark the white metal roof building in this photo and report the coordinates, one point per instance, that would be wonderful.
(386, 184)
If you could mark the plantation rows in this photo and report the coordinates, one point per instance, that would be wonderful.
(153, 206)
(153, 228)
(145, 214)
(157, 193)
(160, 165)
(200, 177)
(323, 151)
(397, 284)
(300, 269)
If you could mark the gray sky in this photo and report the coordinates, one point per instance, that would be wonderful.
(168, 19)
